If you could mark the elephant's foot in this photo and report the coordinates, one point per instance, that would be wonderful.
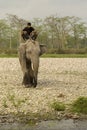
(26, 80)
(28, 86)
(29, 81)
(34, 85)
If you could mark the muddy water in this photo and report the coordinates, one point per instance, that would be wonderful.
(48, 125)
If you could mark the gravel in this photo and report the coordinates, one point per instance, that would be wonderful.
(62, 79)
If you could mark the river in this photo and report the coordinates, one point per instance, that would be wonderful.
(68, 124)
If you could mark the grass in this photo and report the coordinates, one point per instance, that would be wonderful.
(58, 106)
(49, 56)
(64, 56)
(8, 56)
(15, 102)
(5, 103)
(80, 105)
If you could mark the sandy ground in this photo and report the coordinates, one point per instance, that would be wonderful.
(62, 79)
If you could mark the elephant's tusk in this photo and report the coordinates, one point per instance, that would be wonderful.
(32, 66)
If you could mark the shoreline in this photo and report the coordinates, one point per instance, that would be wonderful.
(35, 118)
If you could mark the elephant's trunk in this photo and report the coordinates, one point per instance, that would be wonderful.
(35, 66)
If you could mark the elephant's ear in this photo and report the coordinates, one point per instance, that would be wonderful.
(42, 49)
(22, 56)
(22, 50)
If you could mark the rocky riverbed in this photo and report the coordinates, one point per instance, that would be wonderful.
(62, 79)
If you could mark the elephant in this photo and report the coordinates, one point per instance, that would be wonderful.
(29, 53)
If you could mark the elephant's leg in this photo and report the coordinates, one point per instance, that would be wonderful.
(31, 80)
(35, 66)
(31, 74)
(35, 81)
(26, 78)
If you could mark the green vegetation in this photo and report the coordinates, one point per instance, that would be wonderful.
(80, 105)
(61, 35)
(15, 102)
(49, 56)
(8, 56)
(58, 106)
(5, 103)
(64, 56)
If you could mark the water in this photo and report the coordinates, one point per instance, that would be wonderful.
(48, 125)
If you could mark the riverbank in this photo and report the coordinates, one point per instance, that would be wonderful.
(59, 79)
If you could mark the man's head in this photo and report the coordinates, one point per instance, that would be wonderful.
(29, 24)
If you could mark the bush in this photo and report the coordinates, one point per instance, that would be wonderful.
(67, 51)
(58, 106)
(80, 105)
(11, 51)
(8, 51)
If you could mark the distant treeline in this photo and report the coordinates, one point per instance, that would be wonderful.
(59, 34)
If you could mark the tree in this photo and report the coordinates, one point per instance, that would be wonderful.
(59, 30)
(4, 30)
(78, 30)
(16, 24)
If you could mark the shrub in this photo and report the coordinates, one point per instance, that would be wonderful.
(58, 106)
(8, 51)
(80, 105)
(67, 51)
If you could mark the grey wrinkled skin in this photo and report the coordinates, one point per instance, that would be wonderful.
(29, 54)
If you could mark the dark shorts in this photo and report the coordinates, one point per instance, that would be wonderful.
(25, 36)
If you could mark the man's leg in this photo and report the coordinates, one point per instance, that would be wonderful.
(25, 36)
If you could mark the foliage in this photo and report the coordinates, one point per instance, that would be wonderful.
(5, 103)
(64, 56)
(59, 34)
(12, 100)
(58, 106)
(80, 105)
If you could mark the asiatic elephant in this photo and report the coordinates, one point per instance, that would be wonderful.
(29, 54)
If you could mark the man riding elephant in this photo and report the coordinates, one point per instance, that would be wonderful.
(29, 53)
(29, 32)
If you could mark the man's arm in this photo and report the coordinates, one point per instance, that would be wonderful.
(32, 29)
(24, 31)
